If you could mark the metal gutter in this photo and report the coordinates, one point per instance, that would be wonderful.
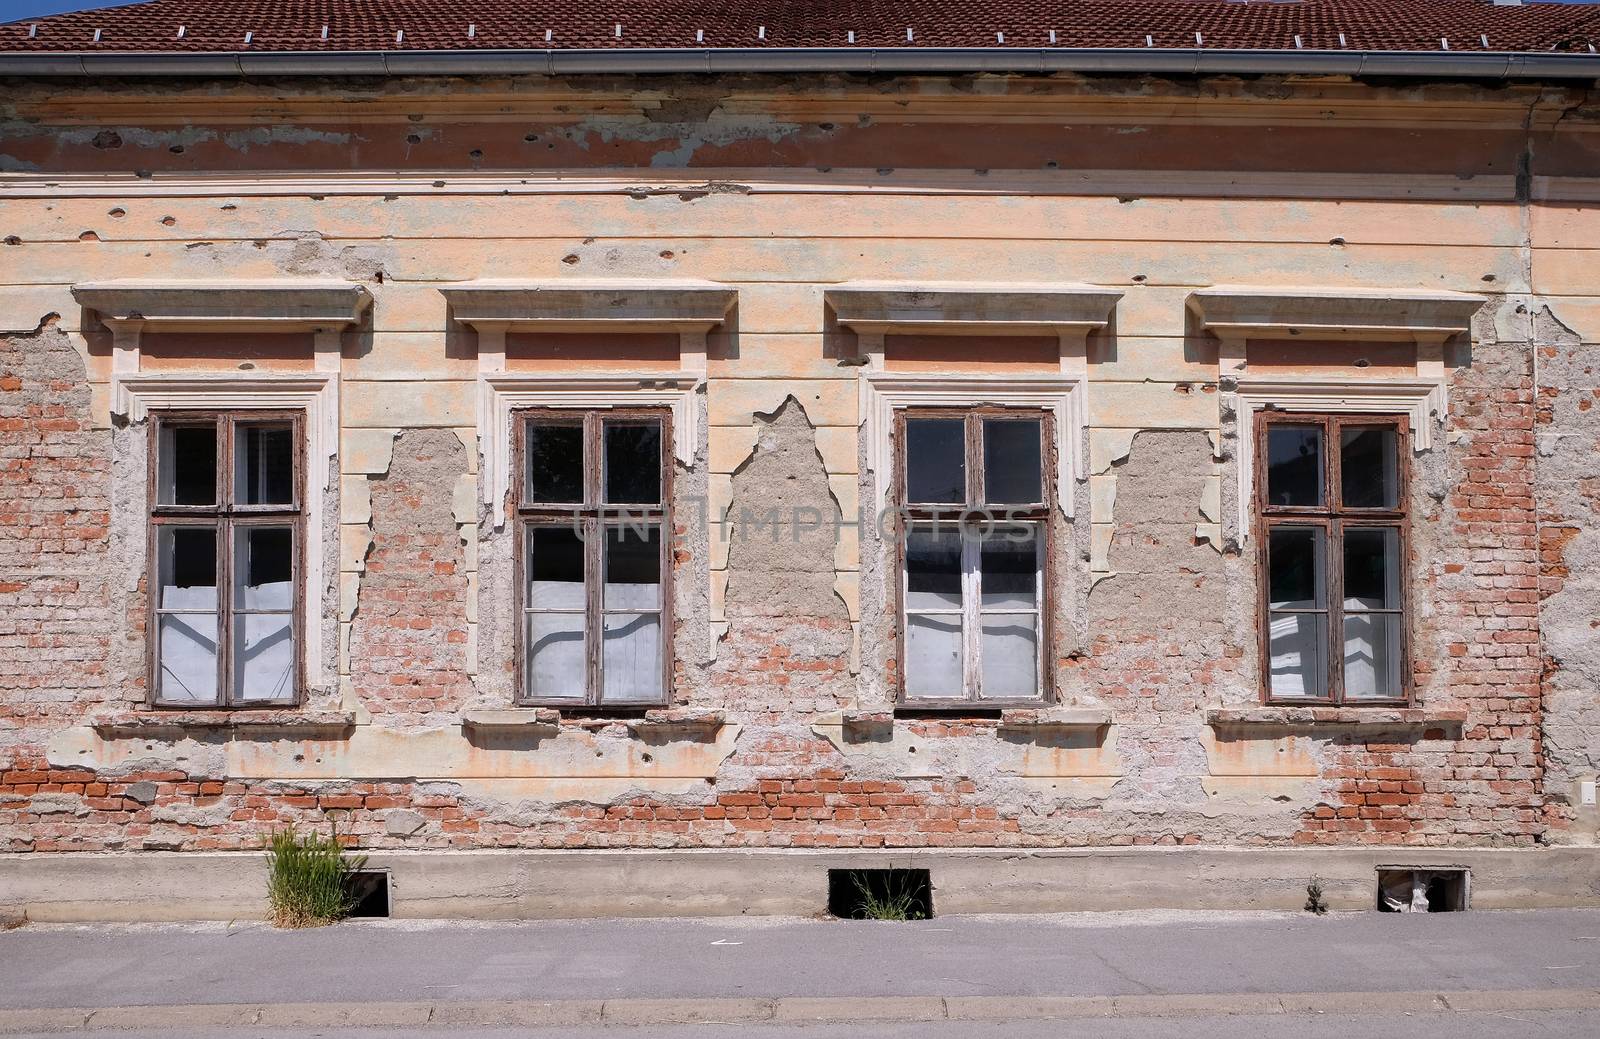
(1176, 61)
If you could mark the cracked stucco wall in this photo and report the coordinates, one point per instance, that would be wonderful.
(778, 189)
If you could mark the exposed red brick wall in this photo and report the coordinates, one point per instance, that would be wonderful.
(408, 643)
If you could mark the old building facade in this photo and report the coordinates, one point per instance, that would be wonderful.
(641, 491)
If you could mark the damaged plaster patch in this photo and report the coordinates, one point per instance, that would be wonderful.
(683, 126)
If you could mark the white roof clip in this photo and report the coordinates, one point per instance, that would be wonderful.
(324, 32)
(472, 31)
(97, 36)
(1199, 41)
(1298, 44)
(1444, 44)
(909, 34)
(851, 35)
(248, 37)
(399, 35)
(761, 32)
(1149, 41)
(1052, 36)
(618, 30)
(999, 37)
(181, 31)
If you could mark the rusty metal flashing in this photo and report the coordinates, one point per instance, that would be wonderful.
(1176, 61)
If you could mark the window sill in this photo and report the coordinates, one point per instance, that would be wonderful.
(1322, 717)
(246, 723)
(670, 718)
(516, 719)
(1056, 718)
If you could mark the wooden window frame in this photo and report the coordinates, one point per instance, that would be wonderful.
(225, 517)
(592, 516)
(1333, 517)
(1041, 514)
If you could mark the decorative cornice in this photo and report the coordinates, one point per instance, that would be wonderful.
(1246, 312)
(596, 306)
(279, 305)
(961, 307)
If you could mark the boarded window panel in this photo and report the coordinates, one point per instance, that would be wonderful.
(263, 463)
(933, 656)
(555, 664)
(632, 463)
(633, 568)
(263, 568)
(263, 657)
(1294, 465)
(631, 657)
(933, 569)
(186, 469)
(186, 650)
(555, 568)
(188, 567)
(1369, 473)
(1012, 462)
(554, 462)
(936, 461)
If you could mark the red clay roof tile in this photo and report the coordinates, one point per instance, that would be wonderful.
(422, 25)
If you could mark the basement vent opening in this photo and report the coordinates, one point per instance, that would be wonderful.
(369, 893)
(880, 894)
(1424, 890)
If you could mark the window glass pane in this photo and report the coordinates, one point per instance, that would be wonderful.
(1298, 648)
(633, 568)
(1372, 656)
(631, 660)
(933, 569)
(936, 460)
(263, 464)
(263, 568)
(1009, 655)
(1010, 565)
(1012, 462)
(1369, 472)
(555, 655)
(933, 656)
(555, 568)
(186, 470)
(1297, 578)
(186, 657)
(263, 656)
(633, 463)
(188, 568)
(1294, 465)
(554, 462)
(1371, 568)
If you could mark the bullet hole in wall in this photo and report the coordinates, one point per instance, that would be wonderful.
(413, 138)
(88, 236)
(532, 138)
(107, 139)
(176, 149)
(571, 259)
(168, 221)
(117, 214)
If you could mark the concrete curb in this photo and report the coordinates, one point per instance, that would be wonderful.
(785, 1011)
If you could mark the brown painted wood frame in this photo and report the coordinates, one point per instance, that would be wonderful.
(592, 515)
(224, 516)
(1043, 514)
(1332, 517)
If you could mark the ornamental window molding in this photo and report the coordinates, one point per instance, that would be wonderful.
(493, 309)
(316, 394)
(1423, 400)
(507, 393)
(874, 311)
(324, 308)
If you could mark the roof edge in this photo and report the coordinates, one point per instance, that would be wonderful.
(1432, 64)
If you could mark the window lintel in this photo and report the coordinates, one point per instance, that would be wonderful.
(1248, 312)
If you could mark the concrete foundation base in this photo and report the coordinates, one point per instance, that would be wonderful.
(157, 886)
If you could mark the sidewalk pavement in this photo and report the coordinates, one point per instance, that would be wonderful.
(398, 975)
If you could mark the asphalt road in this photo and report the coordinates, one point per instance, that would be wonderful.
(1404, 976)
